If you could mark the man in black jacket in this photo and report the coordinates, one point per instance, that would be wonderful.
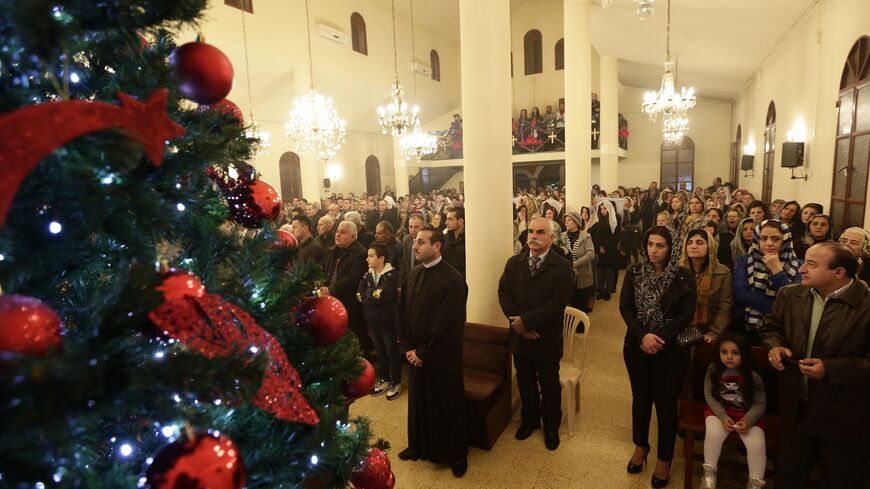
(409, 260)
(533, 291)
(454, 241)
(344, 265)
(309, 248)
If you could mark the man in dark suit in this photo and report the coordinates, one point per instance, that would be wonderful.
(409, 260)
(432, 318)
(533, 291)
(819, 339)
(309, 248)
(454, 241)
(344, 265)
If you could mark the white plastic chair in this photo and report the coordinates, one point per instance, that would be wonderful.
(570, 367)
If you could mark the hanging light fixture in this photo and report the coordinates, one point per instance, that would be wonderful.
(395, 119)
(667, 103)
(263, 138)
(314, 124)
(419, 143)
(645, 8)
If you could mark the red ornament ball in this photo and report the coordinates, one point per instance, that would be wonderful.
(179, 284)
(206, 461)
(250, 204)
(363, 384)
(27, 325)
(325, 317)
(204, 73)
(375, 472)
(225, 106)
(285, 238)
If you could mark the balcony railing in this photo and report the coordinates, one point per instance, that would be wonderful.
(527, 138)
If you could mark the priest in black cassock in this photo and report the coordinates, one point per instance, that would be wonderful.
(432, 317)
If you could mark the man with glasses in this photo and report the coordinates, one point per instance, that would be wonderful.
(858, 242)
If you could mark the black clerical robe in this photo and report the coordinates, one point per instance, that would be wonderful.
(432, 318)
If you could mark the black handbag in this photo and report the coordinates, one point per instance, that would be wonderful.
(689, 336)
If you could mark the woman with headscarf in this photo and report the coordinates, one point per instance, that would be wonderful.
(657, 303)
(605, 234)
(819, 229)
(769, 265)
(742, 241)
(582, 253)
(713, 281)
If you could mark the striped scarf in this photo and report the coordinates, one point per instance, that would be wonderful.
(758, 274)
(649, 288)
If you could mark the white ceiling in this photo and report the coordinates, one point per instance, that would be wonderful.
(718, 44)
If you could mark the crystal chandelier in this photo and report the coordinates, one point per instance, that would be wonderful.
(395, 119)
(645, 8)
(670, 105)
(314, 124)
(417, 144)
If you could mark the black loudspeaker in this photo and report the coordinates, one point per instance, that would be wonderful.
(326, 183)
(792, 155)
(746, 162)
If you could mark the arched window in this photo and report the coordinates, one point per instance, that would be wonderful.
(435, 63)
(246, 5)
(769, 152)
(373, 175)
(534, 52)
(291, 176)
(852, 150)
(560, 54)
(358, 33)
(678, 164)
(736, 154)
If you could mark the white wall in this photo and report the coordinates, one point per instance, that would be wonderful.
(278, 57)
(548, 87)
(802, 77)
(709, 122)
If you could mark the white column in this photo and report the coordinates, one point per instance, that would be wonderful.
(400, 164)
(609, 142)
(311, 168)
(486, 109)
(578, 104)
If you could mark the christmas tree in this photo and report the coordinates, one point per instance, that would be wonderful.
(156, 330)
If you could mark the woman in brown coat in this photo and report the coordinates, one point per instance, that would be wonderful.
(713, 308)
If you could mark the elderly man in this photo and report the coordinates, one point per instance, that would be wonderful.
(819, 340)
(344, 265)
(533, 291)
(364, 237)
(325, 236)
(334, 212)
(858, 242)
(309, 248)
(409, 260)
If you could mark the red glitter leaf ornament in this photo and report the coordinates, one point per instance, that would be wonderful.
(31, 133)
(216, 328)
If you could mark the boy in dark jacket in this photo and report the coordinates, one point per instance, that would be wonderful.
(377, 292)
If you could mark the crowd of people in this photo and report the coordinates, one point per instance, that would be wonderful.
(714, 264)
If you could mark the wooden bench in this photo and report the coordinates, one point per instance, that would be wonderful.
(486, 365)
(692, 403)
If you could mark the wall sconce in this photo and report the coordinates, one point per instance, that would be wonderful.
(334, 172)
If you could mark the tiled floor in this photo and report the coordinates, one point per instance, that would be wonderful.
(594, 457)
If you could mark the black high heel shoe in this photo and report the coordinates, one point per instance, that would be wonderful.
(634, 468)
(660, 483)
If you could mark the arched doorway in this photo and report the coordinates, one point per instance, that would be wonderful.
(769, 152)
(373, 175)
(291, 176)
(852, 150)
(736, 154)
(678, 164)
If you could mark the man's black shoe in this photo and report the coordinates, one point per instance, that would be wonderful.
(524, 431)
(408, 454)
(460, 467)
(551, 439)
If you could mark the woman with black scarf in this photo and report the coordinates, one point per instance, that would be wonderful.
(657, 302)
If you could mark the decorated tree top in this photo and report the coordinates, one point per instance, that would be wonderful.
(143, 340)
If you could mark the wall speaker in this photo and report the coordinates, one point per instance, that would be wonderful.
(326, 183)
(792, 155)
(747, 162)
